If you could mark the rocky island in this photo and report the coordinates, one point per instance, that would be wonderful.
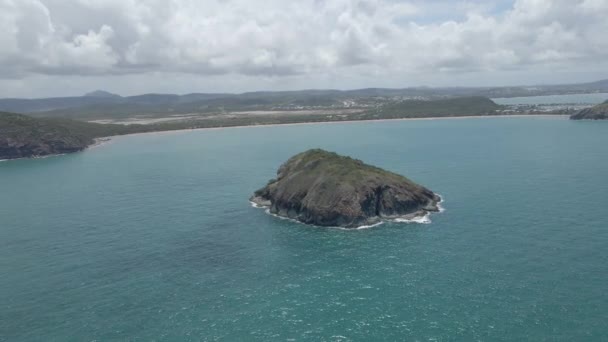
(325, 189)
(599, 112)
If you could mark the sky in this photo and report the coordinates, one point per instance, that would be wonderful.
(70, 47)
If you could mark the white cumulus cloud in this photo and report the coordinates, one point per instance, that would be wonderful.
(304, 38)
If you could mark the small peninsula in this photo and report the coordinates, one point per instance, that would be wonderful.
(22, 136)
(323, 188)
(598, 112)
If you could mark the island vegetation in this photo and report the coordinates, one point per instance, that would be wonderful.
(323, 188)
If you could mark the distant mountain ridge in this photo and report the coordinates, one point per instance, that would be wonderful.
(102, 94)
(107, 104)
(25, 106)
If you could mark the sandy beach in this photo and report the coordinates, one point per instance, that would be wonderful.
(351, 121)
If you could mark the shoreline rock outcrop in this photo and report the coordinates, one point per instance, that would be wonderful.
(598, 112)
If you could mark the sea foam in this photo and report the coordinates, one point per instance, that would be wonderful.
(424, 219)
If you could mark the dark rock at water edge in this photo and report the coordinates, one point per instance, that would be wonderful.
(599, 112)
(13, 149)
(325, 189)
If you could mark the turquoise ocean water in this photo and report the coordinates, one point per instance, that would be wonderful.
(152, 237)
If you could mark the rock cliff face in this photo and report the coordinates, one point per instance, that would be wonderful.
(325, 189)
(599, 112)
(14, 148)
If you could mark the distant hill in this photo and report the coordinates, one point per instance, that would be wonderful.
(101, 94)
(597, 86)
(598, 112)
(459, 106)
(54, 103)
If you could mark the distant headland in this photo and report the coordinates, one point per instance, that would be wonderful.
(22, 136)
(598, 112)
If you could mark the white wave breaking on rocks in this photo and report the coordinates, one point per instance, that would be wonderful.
(424, 219)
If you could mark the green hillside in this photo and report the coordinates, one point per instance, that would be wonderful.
(459, 106)
(599, 112)
(24, 136)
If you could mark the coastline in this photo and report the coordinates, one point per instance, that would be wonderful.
(108, 139)
(349, 121)
(98, 142)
